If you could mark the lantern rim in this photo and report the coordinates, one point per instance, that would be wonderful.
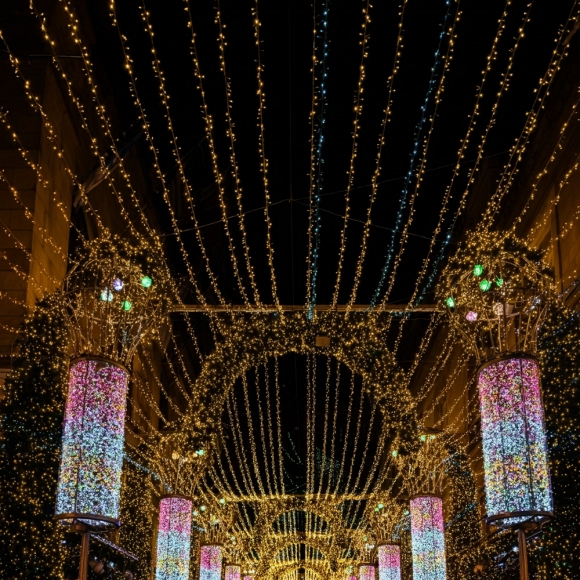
(110, 523)
(426, 494)
(496, 520)
(99, 358)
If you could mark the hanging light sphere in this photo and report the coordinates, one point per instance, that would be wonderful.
(502, 312)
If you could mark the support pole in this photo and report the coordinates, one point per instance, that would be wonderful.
(84, 564)
(523, 551)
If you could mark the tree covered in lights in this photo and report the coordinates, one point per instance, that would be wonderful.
(31, 415)
(463, 526)
(559, 353)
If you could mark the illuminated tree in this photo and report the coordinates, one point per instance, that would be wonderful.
(31, 415)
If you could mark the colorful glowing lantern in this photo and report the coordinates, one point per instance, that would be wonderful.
(210, 563)
(485, 285)
(389, 562)
(478, 270)
(471, 316)
(515, 454)
(173, 538)
(428, 538)
(450, 302)
(366, 572)
(92, 444)
(233, 573)
(118, 284)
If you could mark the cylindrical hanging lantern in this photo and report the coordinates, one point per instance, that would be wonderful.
(210, 563)
(92, 444)
(389, 562)
(366, 572)
(173, 538)
(428, 538)
(233, 573)
(517, 477)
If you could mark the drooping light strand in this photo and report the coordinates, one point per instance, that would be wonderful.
(517, 477)
(425, 116)
(173, 539)
(389, 562)
(318, 120)
(358, 109)
(92, 447)
(378, 164)
(428, 538)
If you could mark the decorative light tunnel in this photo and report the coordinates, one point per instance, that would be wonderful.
(389, 562)
(517, 478)
(366, 572)
(233, 572)
(428, 538)
(173, 538)
(210, 563)
(92, 446)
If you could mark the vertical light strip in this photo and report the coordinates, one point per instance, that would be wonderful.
(210, 563)
(366, 572)
(428, 538)
(517, 477)
(233, 573)
(389, 562)
(92, 443)
(173, 539)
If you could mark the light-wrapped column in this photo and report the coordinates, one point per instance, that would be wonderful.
(428, 538)
(389, 562)
(173, 539)
(92, 443)
(366, 572)
(517, 477)
(210, 563)
(233, 573)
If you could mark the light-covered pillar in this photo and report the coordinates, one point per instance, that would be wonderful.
(233, 572)
(366, 572)
(173, 538)
(428, 538)
(91, 464)
(210, 563)
(517, 477)
(389, 562)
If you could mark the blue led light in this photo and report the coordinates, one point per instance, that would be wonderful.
(416, 146)
(319, 139)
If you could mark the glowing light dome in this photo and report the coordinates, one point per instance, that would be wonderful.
(515, 454)
(173, 539)
(92, 444)
(428, 538)
(389, 562)
(210, 563)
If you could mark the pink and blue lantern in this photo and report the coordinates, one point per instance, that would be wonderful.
(233, 573)
(366, 572)
(428, 538)
(517, 477)
(210, 563)
(173, 539)
(389, 562)
(89, 482)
